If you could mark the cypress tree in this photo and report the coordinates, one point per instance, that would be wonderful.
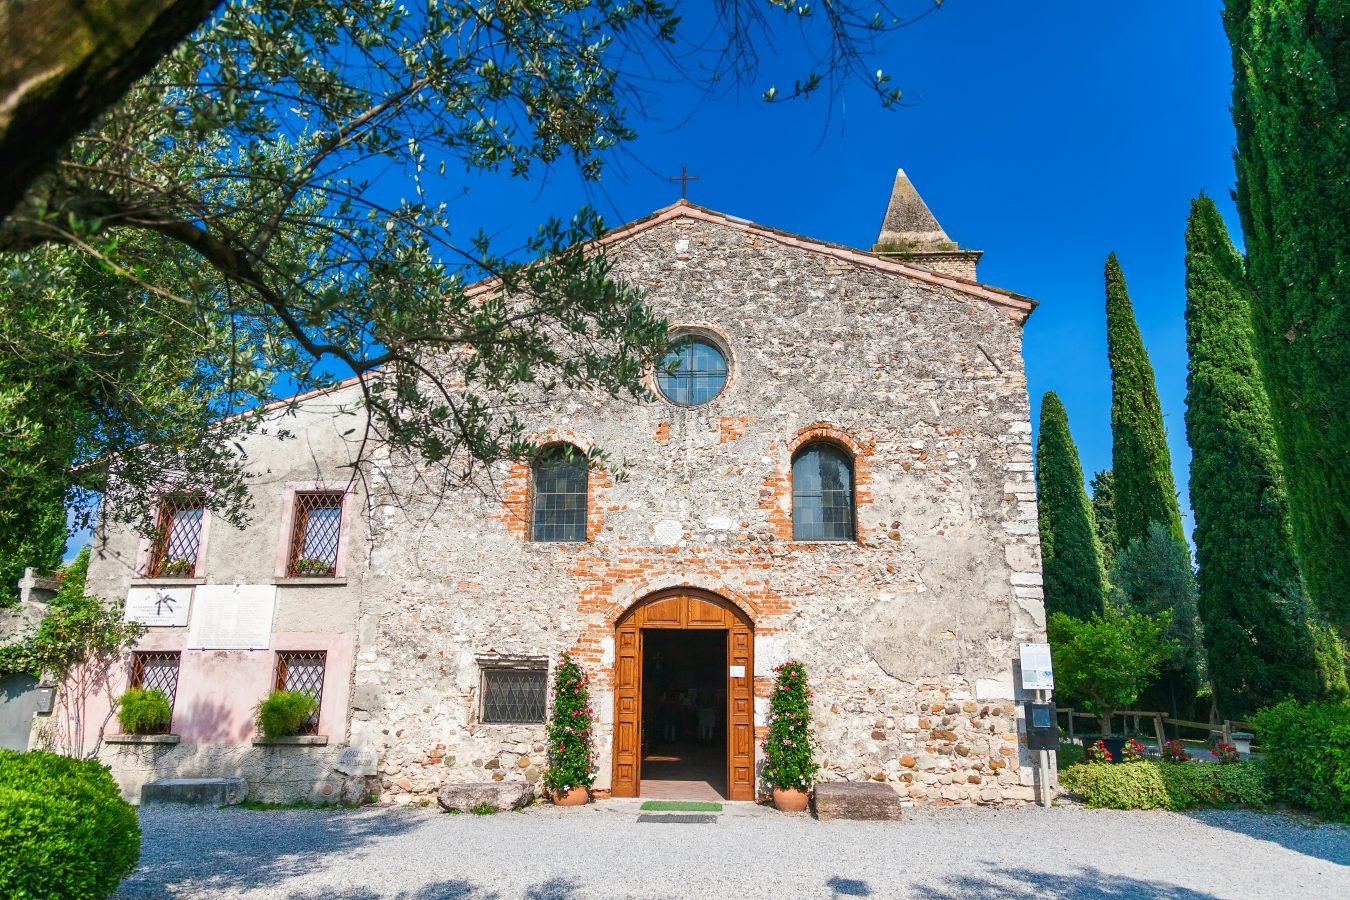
(1291, 107)
(1141, 463)
(1257, 638)
(1070, 558)
(1103, 487)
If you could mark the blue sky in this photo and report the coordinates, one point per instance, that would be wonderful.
(1046, 134)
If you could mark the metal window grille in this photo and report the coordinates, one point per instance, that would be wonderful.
(699, 373)
(514, 696)
(156, 671)
(179, 537)
(302, 670)
(560, 486)
(822, 494)
(316, 530)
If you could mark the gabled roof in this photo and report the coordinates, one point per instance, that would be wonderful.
(1015, 305)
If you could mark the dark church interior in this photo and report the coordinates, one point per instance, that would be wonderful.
(684, 708)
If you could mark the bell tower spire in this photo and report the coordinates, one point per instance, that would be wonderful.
(911, 233)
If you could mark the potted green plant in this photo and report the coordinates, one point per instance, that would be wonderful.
(570, 769)
(284, 713)
(144, 711)
(789, 747)
(313, 567)
(1103, 663)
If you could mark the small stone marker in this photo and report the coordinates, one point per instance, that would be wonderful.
(844, 800)
(356, 761)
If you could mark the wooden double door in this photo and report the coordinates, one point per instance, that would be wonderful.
(684, 608)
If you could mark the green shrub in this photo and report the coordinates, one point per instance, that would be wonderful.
(1068, 755)
(143, 711)
(65, 831)
(1149, 784)
(1307, 755)
(284, 713)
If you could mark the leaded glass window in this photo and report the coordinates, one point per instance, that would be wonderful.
(561, 476)
(514, 695)
(692, 373)
(822, 494)
(302, 670)
(316, 529)
(179, 540)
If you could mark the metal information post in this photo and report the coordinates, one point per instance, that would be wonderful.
(1042, 728)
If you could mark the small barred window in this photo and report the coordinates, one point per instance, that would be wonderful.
(316, 532)
(156, 671)
(179, 538)
(514, 696)
(302, 670)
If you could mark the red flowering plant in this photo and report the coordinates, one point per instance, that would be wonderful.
(789, 748)
(1097, 753)
(1174, 751)
(1225, 754)
(1133, 751)
(570, 764)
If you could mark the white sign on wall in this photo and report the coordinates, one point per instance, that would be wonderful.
(232, 617)
(1037, 671)
(158, 606)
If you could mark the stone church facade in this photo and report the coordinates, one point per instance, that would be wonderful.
(852, 488)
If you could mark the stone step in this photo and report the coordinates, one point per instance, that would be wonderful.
(195, 791)
(844, 800)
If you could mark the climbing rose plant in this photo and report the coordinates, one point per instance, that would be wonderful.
(789, 747)
(569, 729)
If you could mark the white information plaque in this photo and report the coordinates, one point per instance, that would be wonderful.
(158, 606)
(1037, 672)
(737, 671)
(232, 617)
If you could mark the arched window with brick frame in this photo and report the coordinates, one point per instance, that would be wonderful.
(561, 487)
(823, 503)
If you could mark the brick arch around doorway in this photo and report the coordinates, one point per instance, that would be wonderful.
(652, 619)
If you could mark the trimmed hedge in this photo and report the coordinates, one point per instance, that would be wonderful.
(65, 831)
(1307, 753)
(1149, 784)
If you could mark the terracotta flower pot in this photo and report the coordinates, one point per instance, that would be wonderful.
(577, 796)
(789, 800)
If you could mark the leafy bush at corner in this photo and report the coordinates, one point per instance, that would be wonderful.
(569, 730)
(1307, 754)
(142, 711)
(1149, 784)
(65, 831)
(789, 747)
(284, 712)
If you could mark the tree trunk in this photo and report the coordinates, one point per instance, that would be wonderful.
(1104, 725)
(63, 62)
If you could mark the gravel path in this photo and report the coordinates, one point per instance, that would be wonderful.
(602, 851)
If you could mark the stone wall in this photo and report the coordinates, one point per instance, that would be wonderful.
(908, 635)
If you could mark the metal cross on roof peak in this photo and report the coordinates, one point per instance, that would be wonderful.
(684, 178)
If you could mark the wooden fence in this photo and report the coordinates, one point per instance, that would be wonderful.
(1224, 730)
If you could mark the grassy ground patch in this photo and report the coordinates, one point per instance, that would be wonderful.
(681, 806)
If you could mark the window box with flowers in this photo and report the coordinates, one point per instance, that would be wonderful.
(789, 748)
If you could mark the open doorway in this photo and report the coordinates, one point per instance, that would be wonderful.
(684, 714)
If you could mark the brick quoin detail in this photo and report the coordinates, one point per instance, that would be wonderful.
(776, 491)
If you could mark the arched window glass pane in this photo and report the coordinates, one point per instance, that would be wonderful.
(700, 373)
(822, 494)
(560, 496)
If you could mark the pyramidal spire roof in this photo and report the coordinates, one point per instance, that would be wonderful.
(909, 224)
